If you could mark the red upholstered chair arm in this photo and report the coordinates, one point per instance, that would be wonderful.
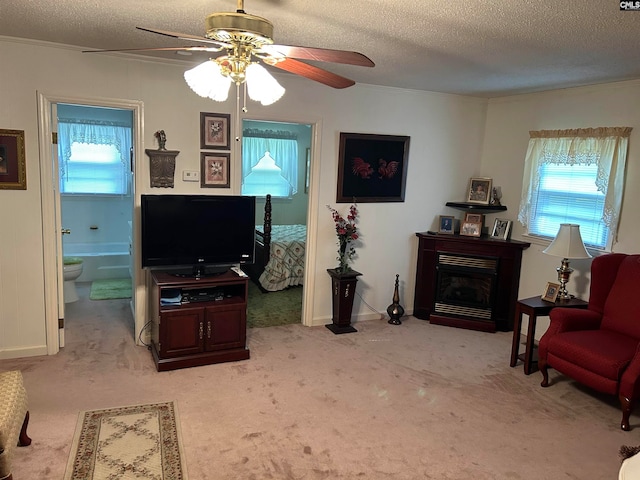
(570, 319)
(566, 320)
(629, 383)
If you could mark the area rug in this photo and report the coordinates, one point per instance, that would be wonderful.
(110, 289)
(123, 443)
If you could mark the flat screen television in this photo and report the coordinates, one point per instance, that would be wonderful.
(202, 234)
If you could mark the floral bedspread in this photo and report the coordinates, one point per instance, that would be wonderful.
(286, 260)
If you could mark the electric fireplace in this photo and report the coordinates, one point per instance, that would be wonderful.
(467, 282)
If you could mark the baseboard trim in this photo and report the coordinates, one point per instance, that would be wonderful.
(23, 352)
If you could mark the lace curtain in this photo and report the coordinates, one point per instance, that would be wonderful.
(606, 147)
(96, 132)
(283, 150)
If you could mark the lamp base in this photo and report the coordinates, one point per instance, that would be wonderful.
(564, 273)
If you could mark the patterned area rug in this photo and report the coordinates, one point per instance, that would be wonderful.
(136, 442)
(110, 289)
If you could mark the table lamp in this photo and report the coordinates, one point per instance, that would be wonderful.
(567, 244)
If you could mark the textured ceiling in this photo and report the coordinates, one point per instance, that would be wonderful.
(485, 48)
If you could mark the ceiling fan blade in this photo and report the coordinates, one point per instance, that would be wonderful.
(184, 36)
(159, 49)
(320, 54)
(314, 73)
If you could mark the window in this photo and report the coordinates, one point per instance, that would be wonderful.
(269, 163)
(94, 158)
(575, 176)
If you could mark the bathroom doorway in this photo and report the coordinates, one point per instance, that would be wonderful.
(96, 202)
(96, 228)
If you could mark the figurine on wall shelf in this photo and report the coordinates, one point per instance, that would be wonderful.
(496, 195)
(162, 139)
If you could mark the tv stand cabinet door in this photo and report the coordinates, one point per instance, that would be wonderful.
(181, 332)
(226, 327)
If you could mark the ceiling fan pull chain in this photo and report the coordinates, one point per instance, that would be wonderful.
(238, 112)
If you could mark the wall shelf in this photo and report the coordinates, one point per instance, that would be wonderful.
(476, 207)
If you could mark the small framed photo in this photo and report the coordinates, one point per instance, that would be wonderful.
(471, 229)
(501, 228)
(551, 292)
(474, 217)
(214, 170)
(479, 191)
(446, 224)
(13, 173)
(215, 131)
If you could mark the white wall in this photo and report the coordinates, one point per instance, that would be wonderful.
(446, 142)
(509, 121)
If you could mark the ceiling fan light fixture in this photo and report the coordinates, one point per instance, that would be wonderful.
(261, 86)
(207, 80)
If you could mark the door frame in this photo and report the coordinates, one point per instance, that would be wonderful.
(51, 230)
(312, 202)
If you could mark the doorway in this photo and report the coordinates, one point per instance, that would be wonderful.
(50, 108)
(96, 202)
(276, 161)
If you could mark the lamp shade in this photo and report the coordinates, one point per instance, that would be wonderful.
(207, 80)
(261, 86)
(568, 243)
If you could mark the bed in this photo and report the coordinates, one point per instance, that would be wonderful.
(280, 253)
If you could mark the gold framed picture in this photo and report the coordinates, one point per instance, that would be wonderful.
(551, 292)
(13, 173)
(446, 224)
(479, 190)
(474, 217)
(471, 229)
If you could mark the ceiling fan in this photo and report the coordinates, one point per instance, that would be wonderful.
(239, 41)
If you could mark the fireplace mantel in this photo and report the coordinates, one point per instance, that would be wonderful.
(506, 255)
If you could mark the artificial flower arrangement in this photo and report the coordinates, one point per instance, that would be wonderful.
(347, 233)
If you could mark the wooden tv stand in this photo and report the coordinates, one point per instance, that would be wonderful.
(211, 328)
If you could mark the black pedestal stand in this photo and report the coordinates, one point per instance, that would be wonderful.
(343, 288)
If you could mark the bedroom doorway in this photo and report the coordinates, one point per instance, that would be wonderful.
(276, 160)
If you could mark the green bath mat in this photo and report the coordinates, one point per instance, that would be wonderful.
(109, 289)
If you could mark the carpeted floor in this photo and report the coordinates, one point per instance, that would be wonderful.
(273, 308)
(110, 289)
(406, 402)
(139, 441)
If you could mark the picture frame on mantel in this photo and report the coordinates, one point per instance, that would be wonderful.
(446, 224)
(372, 168)
(215, 131)
(501, 228)
(471, 229)
(13, 171)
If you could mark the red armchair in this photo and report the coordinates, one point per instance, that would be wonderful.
(600, 346)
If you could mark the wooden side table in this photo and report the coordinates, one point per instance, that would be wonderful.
(534, 307)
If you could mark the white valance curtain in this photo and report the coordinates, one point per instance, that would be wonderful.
(99, 133)
(93, 132)
(606, 147)
(283, 150)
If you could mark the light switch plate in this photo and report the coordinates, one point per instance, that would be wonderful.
(190, 176)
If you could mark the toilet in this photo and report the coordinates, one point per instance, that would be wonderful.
(72, 270)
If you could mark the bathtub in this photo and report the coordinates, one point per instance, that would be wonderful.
(100, 260)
